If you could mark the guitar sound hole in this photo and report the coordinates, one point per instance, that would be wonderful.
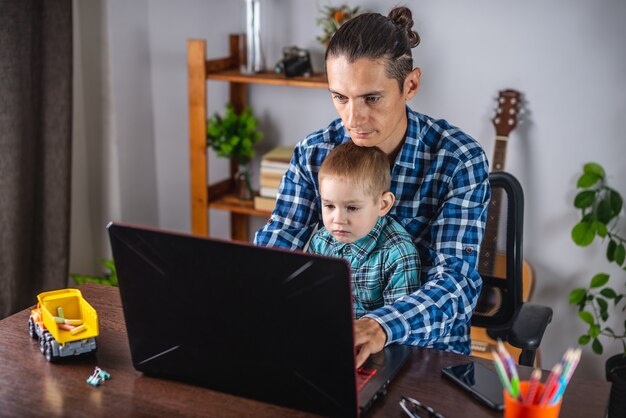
(489, 301)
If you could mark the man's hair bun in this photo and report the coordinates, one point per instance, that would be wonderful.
(403, 18)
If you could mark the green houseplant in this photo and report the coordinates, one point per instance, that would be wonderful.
(109, 278)
(233, 136)
(601, 210)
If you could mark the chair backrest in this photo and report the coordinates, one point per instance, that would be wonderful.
(501, 258)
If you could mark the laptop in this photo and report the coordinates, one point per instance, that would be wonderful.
(257, 322)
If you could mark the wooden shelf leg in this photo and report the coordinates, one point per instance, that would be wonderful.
(239, 227)
(196, 64)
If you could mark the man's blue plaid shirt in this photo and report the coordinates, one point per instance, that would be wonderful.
(441, 182)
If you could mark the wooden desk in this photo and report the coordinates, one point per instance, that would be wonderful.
(30, 386)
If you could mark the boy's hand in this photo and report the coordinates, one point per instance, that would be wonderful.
(369, 338)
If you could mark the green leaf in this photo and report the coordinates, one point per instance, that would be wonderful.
(599, 280)
(594, 168)
(233, 135)
(584, 339)
(576, 296)
(587, 180)
(616, 201)
(109, 278)
(618, 298)
(110, 264)
(610, 331)
(600, 228)
(213, 131)
(596, 346)
(610, 250)
(604, 212)
(620, 254)
(604, 306)
(585, 199)
(608, 293)
(594, 331)
(587, 317)
(583, 233)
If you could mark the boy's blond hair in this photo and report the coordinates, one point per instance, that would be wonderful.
(364, 167)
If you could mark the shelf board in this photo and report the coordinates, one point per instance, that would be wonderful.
(317, 80)
(231, 203)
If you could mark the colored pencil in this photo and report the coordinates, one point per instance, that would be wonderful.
(575, 360)
(512, 369)
(502, 372)
(533, 384)
(551, 385)
(568, 371)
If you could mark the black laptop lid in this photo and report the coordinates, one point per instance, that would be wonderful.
(223, 315)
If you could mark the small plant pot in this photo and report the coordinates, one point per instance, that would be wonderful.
(243, 190)
(616, 374)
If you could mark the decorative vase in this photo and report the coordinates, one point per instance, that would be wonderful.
(616, 374)
(243, 190)
(254, 54)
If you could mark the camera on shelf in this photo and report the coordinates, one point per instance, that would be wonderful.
(296, 62)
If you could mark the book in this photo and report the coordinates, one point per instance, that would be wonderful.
(274, 164)
(279, 154)
(264, 203)
(271, 176)
(273, 182)
(275, 169)
(271, 192)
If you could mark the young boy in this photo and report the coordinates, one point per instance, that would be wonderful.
(354, 187)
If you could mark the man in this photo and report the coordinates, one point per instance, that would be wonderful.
(439, 177)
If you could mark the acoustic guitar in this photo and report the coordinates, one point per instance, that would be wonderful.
(491, 262)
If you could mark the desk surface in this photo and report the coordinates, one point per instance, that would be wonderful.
(30, 386)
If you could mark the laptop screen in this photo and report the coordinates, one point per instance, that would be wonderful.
(256, 322)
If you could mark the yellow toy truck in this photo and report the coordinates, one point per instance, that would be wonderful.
(65, 324)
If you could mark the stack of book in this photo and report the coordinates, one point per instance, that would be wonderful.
(274, 164)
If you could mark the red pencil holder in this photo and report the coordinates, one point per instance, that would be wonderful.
(516, 409)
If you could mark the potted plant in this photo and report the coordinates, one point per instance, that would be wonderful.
(233, 136)
(332, 18)
(109, 278)
(601, 210)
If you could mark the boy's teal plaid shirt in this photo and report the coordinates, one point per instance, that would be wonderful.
(384, 264)
(441, 182)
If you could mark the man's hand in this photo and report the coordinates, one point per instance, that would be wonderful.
(369, 338)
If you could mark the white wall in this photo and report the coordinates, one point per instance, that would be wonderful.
(95, 174)
(567, 57)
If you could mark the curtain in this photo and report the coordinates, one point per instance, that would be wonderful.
(35, 149)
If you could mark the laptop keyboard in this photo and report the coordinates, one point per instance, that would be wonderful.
(363, 375)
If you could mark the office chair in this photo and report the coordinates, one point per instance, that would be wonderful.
(501, 312)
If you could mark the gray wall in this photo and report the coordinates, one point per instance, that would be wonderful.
(567, 57)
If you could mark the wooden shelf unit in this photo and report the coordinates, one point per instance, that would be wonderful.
(220, 194)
